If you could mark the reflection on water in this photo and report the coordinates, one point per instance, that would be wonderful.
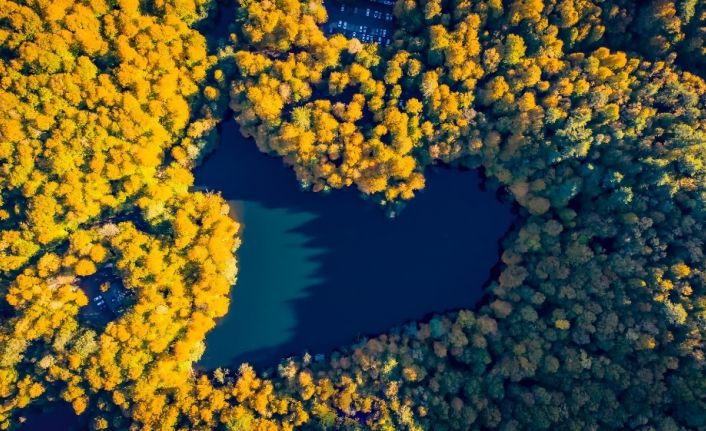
(321, 270)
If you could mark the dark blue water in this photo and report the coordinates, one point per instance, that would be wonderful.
(59, 416)
(318, 271)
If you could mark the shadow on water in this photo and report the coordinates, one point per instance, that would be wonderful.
(216, 25)
(58, 416)
(319, 271)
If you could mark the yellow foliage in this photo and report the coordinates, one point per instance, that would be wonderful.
(85, 267)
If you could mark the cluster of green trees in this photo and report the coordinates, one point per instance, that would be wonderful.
(589, 112)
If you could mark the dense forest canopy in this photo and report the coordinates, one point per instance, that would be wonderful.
(590, 113)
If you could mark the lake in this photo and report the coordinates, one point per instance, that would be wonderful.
(317, 271)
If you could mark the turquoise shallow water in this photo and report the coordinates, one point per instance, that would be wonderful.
(322, 270)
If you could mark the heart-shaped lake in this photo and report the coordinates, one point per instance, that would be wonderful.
(318, 271)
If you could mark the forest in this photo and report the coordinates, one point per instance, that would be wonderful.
(590, 114)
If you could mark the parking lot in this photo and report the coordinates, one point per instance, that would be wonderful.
(367, 20)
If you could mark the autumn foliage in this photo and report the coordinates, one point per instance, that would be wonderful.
(596, 320)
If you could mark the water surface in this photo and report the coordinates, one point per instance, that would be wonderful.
(317, 271)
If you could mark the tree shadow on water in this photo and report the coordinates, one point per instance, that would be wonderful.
(58, 416)
(345, 270)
